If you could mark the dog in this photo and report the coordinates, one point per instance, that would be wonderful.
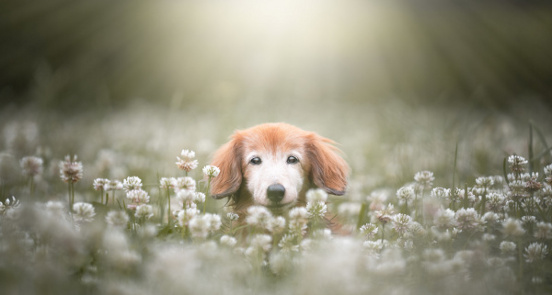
(274, 165)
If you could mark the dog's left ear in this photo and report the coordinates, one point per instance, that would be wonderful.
(328, 170)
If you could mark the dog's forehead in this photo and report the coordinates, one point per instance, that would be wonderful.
(273, 139)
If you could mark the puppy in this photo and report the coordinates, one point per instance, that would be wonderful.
(274, 165)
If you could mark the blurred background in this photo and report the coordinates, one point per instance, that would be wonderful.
(399, 84)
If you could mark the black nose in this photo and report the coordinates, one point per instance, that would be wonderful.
(275, 192)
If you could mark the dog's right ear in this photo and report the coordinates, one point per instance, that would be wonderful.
(228, 159)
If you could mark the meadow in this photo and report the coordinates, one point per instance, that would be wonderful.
(442, 115)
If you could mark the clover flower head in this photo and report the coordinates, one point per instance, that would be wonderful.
(199, 197)
(517, 163)
(424, 179)
(232, 216)
(369, 230)
(385, 215)
(211, 171)
(440, 193)
(485, 182)
(289, 243)
(99, 183)
(316, 195)
(83, 212)
(401, 223)
(117, 219)
(70, 171)
(467, 219)
(262, 242)
(535, 252)
(144, 211)
(31, 166)
(184, 183)
(316, 209)
(507, 247)
(405, 194)
(185, 215)
(260, 217)
(186, 161)
(165, 182)
(228, 241)
(543, 230)
(137, 197)
(113, 185)
(512, 227)
(278, 224)
(201, 225)
(444, 219)
(132, 183)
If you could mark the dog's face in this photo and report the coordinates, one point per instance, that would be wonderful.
(275, 164)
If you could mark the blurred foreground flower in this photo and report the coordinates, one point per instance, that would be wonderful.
(32, 166)
(83, 212)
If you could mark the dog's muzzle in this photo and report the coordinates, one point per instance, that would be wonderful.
(276, 192)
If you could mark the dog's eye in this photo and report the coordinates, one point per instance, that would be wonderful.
(255, 161)
(292, 160)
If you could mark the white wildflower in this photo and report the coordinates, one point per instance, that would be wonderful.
(278, 224)
(444, 219)
(144, 211)
(211, 171)
(232, 216)
(298, 219)
(184, 183)
(316, 209)
(199, 197)
(507, 247)
(260, 217)
(535, 252)
(165, 182)
(405, 194)
(440, 193)
(543, 230)
(517, 163)
(185, 215)
(83, 212)
(262, 242)
(228, 241)
(316, 195)
(424, 179)
(132, 183)
(186, 161)
(31, 166)
(202, 225)
(113, 185)
(288, 243)
(369, 230)
(467, 219)
(70, 171)
(512, 228)
(137, 197)
(99, 183)
(117, 219)
(401, 223)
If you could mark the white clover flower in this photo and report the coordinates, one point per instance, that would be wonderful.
(512, 228)
(401, 223)
(517, 163)
(495, 201)
(262, 242)
(543, 230)
(528, 219)
(485, 182)
(70, 171)
(467, 219)
(199, 197)
(316, 209)
(137, 197)
(184, 183)
(490, 218)
(211, 171)
(117, 219)
(298, 219)
(83, 212)
(369, 230)
(278, 224)
(507, 247)
(440, 193)
(548, 170)
(185, 197)
(228, 241)
(424, 179)
(186, 161)
(288, 243)
(165, 182)
(132, 183)
(444, 219)
(201, 225)
(385, 215)
(185, 215)
(535, 252)
(260, 217)
(113, 185)
(405, 194)
(232, 216)
(316, 195)
(144, 211)
(31, 166)
(99, 183)
(488, 237)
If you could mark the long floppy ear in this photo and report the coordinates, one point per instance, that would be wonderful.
(328, 170)
(228, 159)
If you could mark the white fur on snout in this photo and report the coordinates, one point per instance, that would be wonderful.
(274, 169)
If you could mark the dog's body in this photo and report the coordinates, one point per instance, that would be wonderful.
(274, 165)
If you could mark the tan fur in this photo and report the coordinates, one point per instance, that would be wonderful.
(320, 165)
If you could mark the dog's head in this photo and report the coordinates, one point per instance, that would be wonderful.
(275, 164)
